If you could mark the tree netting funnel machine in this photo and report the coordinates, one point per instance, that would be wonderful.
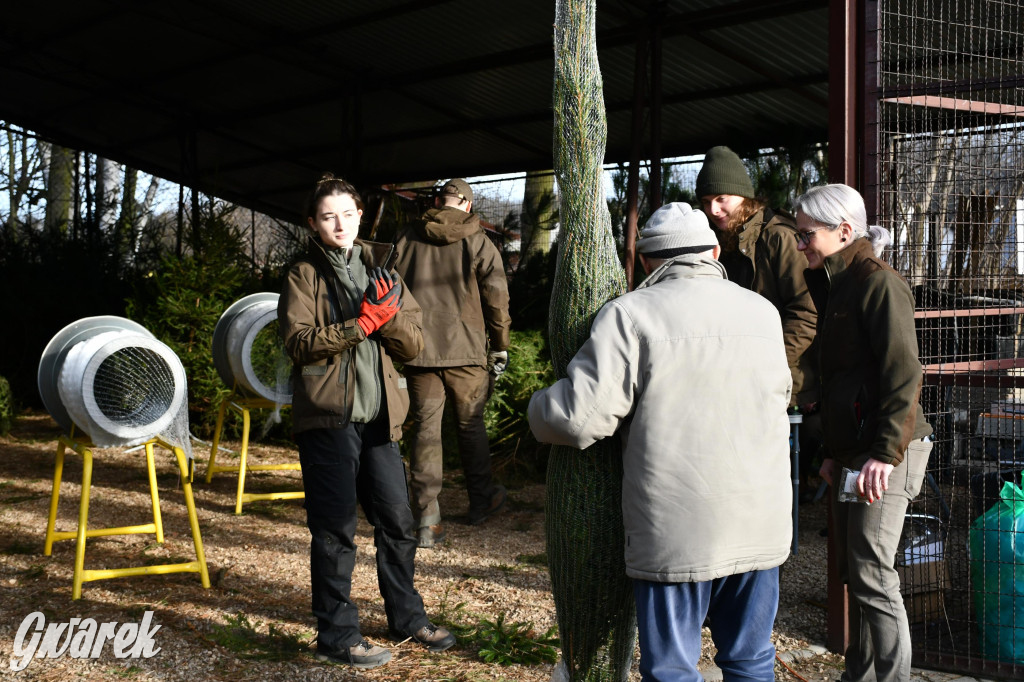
(107, 382)
(247, 350)
(116, 382)
(250, 358)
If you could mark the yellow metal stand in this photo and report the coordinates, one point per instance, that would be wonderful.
(82, 575)
(242, 406)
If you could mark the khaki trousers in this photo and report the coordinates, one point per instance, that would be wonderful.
(867, 536)
(467, 387)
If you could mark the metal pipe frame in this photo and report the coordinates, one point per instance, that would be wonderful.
(81, 535)
(242, 406)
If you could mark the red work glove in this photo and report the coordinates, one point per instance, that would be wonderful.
(380, 302)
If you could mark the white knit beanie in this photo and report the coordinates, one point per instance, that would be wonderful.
(675, 229)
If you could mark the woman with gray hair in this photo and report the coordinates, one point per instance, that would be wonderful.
(872, 421)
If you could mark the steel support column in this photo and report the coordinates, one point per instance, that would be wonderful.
(844, 79)
(633, 179)
(869, 91)
(845, 35)
(655, 173)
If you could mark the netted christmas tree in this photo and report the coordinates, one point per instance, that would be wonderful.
(593, 597)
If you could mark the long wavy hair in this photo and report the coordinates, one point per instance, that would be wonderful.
(730, 236)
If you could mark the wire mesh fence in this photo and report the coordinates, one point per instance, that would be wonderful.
(949, 115)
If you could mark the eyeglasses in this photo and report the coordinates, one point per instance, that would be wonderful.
(805, 237)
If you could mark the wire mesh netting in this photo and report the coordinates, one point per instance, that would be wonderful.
(123, 388)
(949, 153)
(133, 387)
(257, 357)
(270, 362)
(248, 352)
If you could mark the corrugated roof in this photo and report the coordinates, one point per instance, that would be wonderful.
(251, 100)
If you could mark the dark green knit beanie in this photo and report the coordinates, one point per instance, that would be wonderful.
(723, 173)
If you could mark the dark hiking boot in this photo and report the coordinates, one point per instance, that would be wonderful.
(498, 499)
(434, 637)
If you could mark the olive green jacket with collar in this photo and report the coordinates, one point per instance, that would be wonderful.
(459, 280)
(869, 369)
(320, 333)
(768, 263)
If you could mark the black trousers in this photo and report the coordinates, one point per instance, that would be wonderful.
(340, 467)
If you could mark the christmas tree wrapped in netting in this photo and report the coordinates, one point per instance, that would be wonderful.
(593, 597)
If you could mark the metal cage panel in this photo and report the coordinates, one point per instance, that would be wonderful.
(945, 122)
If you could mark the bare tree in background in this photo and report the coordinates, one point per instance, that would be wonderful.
(59, 195)
(539, 216)
(23, 164)
(108, 193)
(949, 198)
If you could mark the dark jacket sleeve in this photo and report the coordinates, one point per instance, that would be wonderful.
(306, 338)
(402, 335)
(490, 274)
(796, 308)
(887, 309)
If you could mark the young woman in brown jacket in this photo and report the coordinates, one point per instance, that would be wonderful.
(342, 319)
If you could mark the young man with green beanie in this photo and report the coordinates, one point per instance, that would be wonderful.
(759, 253)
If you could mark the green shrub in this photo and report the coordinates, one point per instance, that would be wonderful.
(68, 279)
(246, 639)
(516, 452)
(529, 290)
(6, 407)
(498, 641)
(180, 304)
(515, 643)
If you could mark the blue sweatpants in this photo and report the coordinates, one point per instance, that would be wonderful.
(741, 609)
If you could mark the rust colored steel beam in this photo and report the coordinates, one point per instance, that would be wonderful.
(842, 162)
(967, 312)
(655, 173)
(633, 177)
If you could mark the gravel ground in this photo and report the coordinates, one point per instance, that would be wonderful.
(254, 623)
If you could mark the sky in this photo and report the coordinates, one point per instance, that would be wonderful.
(511, 185)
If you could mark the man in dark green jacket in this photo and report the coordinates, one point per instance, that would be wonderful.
(759, 253)
(457, 275)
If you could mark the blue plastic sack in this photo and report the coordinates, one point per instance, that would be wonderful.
(997, 575)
